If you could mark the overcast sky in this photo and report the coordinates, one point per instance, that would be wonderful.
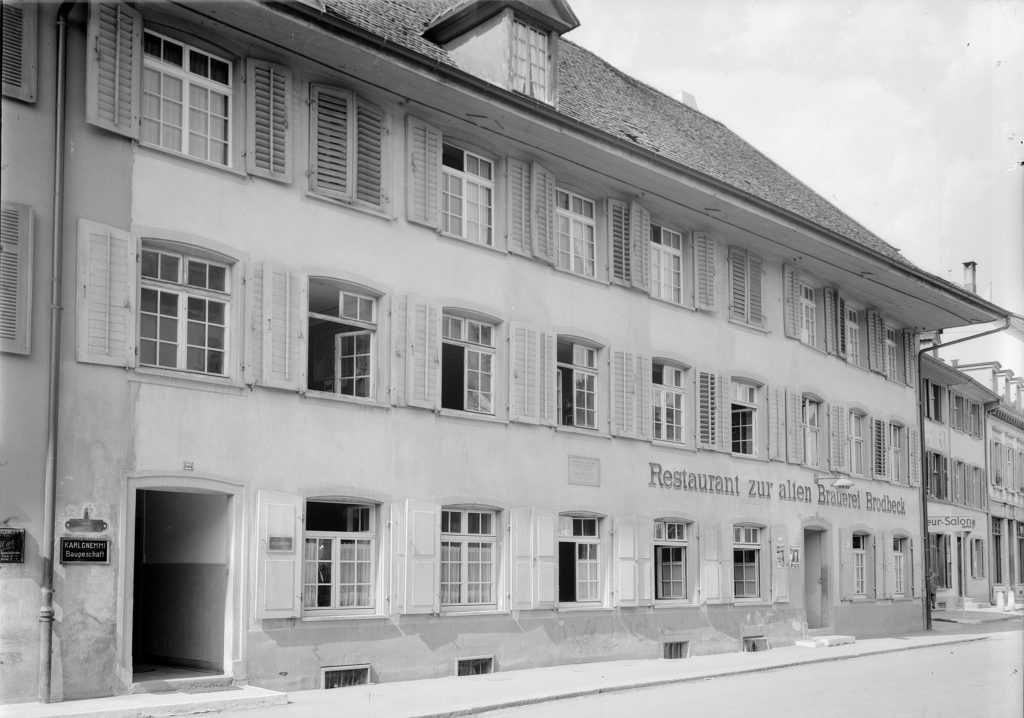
(908, 115)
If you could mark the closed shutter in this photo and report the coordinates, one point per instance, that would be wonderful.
(424, 365)
(423, 172)
(711, 563)
(284, 312)
(778, 548)
(281, 546)
(113, 83)
(840, 325)
(399, 350)
(888, 558)
(20, 49)
(707, 410)
(548, 385)
(737, 285)
(618, 239)
(912, 576)
(542, 217)
(789, 296)
(847, 586)
(724, 391)
(369, 164)
(876, 342)
(626, 566)
(776, 424)
(726, 575)
(545, 558)
(831, 325)
(524, 389)
(755, 291)
(331, 142)
(643, 399)
(517, 205)
(644, 564)
(106, 295)
(521, 530)
(421, 557)
(838, 453)
(640, 247)
(268, 94)
(910, 359)
(914, 452)
(253, 366)
(16, 241)
(794, 427)
(623, 392)
(879, 449)
(704, 280)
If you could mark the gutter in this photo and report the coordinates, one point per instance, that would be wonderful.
(47, 545)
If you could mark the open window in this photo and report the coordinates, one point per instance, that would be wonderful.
(342, 339)
(577, 383)
(668, 405)
(467, 364)
(469, 557)
(744, 406)
(747, 562)
(467, 195)
(580, 562)
(674, 576)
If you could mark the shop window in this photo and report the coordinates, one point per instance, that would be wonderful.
(743, 413)
(856, 432)
(671, 539)
(746, 562)
(338, 570)
(577, 384)
(576, 248)
(468, 557)
(667, 264)
(811, 424)
(531, 63)
(899, 553)
(467, 364)
(342, 339)
(669, 400)
(579, 559)
(467, 195)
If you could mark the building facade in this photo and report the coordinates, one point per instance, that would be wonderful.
(394, 344)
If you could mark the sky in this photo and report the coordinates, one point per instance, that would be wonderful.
(908, 115)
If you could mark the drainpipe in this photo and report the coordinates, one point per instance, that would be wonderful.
(50, 479)
(922, 450)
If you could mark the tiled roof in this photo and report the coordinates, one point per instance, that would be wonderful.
(598, 95)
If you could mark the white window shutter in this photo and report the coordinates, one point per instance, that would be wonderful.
(914, 453)
(626, 563)
(644, 418)
(16, 248)
(548, 379)
(521, 540)
(704, 271)
(618, 240)
(791, 325)
(879, 449)
(837, 430)
(422, 557)
(711, 561)
(776, 424)
(755, 291)
(888, 569)
(644, 551)
(542, 218)
(20, 49)
(831, 324)
(794, 427)
(725, 561)
(399, 336)
(545, 525)
(370, 135)
(517, 206)
(724, 392)
(331, 138)
(707, 410)
(284, 331)
(253, 366)
(107, 273)
(623, 392)
(840, 325)
(876, 342)
(524, 385)
(281, 548)
(423, 172)
(737, 285)
(640, 247)
(846, 575)
(269, 97)
(113, 85)
(909, 358)
(779, 540)
(424, 354)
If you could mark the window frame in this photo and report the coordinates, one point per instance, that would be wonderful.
(811, 409)
(469, 347)
(899, 565)
(859, 549)
(856, 443)
(807, 312)
(751, 544)
(360, 327)
(660, 394)
(567, 221)
(896, 468)
(590, 372)
(662, 252)
(572, 529)
(464, 538)
(667, 536)
(747, 405)
(467, 178)
(853, 323)
(371, 535)
(522, 77)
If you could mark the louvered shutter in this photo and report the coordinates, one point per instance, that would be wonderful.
(423, 172)
(755, 292)
(776, 424)
(542, 205)
(20, 49)
(879, 449)
(724, 392)
(704, 280)
(16, 240)
(794, 427)
(369, 147)
(331, 139)
(113, 83)
(623, 392)
(284, 312)
(253, 366)
(281, 549)
(914, 453)
(424, 367)
(517, 206)
(643, 398)
(910, 358)
(618, 235)
(399, 350)
(269, 136)
(524, 388)
(548, 368)
(640, 247)
(789, 295)
(106, 295)
(707, 410)
(838, 454)
(840, 325)
(876, 342)
(831, 325)
(725, 577)
(737, 285)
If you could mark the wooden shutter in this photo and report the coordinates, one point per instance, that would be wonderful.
(524, 385)
(623, 385)
(711, 563)
(253, 364)
(879, 449)
(113, 85)
(840, 325)
(548, 385)
(724, 392)
(399, 350)
(281, 546)
(910, 360)
(517, 207)
(847, 585)
(725, 575)
(708, 400)
(542, 217)
(369, 148)
(521, 530)
(838, 459)
(755, 290)
(330, 138)
(776, 424)
(422, 560)
(618, 239)
(888, 560)
(876, 341)
(643, 399)
(831, 324)
(423, 172)
(794, 427)
(269, 136)
(424, 365)
(284, 315)
(16, 242)
(106, 295)
(545, 558)
(644, 563)
(626, 566)
(738, 285)
(778, 555)
(911, 576)
(914, 454)
(790, 323)
(639, 247)
(20, 49)
(704, 279)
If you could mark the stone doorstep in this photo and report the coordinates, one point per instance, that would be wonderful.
(190, 684)
(159, 705)
(825, 641)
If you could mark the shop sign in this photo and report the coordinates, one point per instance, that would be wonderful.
(960, 523)
(12, 545)
(79, 550)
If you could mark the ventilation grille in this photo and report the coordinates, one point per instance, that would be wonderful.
(677, 649)
(475, 666)
(345, 677)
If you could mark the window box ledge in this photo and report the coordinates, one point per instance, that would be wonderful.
(471, 416)
(573, 608)
(677, 446)
(758, 329)
(464, 612)
(189, 160)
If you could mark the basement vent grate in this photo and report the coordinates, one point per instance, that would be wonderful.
(338, 677)
(752, 644)
(677, 649)
(475, 666)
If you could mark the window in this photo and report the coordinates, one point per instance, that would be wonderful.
(468, 554)
(899, 551)
(666, 264)
(938, 476)
(347, 144)
(467, 365)
(959, 482)
(670, 541)
(467, 195)
(940, 559)
(808, 309)
(891, 363)
(577, 248)
(896, 466)
(186, 99)
(746, 561)
(669, 399)
(744, 414)
(746, 287)
(958, 412)
(338, 562)
(860, 564)
(812, 431)
(856, 430)
(974, 419)
(997, 550)
(530, 61)
(977, 558)
(853, 347)
(934, 406)
(579, 567)
(183, 312)
(342, 339)
(577, 384)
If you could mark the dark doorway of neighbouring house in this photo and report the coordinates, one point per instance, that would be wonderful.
(816, 589)
(180, 582)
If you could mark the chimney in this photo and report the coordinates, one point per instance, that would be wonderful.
(970, 284)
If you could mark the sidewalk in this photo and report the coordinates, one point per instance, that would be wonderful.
(467, 696)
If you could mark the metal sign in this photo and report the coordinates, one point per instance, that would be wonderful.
(78, 550)
(12, 545)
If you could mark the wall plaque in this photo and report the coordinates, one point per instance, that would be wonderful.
(584, 470)
(77, 550)
(12, 545)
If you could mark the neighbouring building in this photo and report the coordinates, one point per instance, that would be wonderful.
(402, 339)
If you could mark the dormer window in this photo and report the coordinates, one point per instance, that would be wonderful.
(530, 60)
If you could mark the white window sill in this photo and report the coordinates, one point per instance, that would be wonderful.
(187, 380)
(748, 457)
(660, 603)
(379, 212)
(189, 159)
(344, 399)
(677, 445)
(583, 608)
(568, 272)
(583, 432)
(472, 243)
(758, 328)
(674, 305)
(344, 617)
(750, 602)
(463, 611)
(470, 415)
